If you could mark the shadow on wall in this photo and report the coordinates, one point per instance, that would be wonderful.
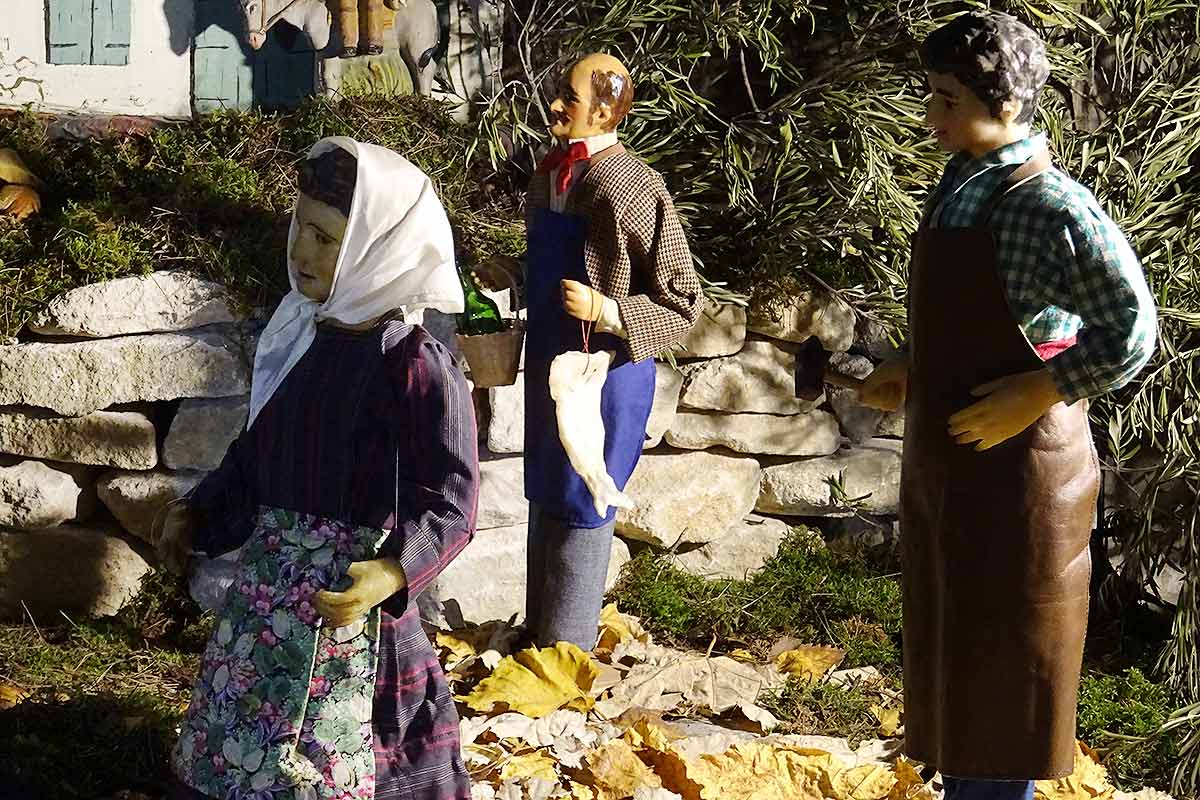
(226, 72)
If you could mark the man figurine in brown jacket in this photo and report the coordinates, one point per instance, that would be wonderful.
(608, 269)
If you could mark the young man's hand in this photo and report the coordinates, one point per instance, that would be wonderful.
(1009, 406)
(886, 387)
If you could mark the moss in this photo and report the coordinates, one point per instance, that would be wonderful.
(213, 196)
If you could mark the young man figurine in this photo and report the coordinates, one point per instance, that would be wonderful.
(1025, 300)
(606, 253)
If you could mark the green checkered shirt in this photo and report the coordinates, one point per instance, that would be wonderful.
(1066, 267)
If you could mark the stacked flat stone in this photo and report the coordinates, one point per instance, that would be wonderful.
(86, 401)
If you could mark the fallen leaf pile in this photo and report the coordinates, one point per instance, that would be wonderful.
(638, 721)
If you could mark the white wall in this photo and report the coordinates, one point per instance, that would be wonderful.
(156, 82)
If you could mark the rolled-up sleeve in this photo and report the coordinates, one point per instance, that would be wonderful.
(437, 459)
(223, 504)
(1110, 294)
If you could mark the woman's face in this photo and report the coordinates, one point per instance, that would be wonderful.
(315, 250)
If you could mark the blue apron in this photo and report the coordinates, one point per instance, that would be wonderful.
(555, 254)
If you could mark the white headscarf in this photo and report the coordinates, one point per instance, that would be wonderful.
(398, 252)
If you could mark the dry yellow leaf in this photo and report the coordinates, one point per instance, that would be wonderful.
(759, 771)
(888, 718)
(644, 733)
(581, 792)
(617, 772)
(909, 783)
(809, 662)
(459, 648)
(531, 765)
(617, 628)
(11, 695)
(536, 682)
(1088, 781)
(744, 656)
(868, 782)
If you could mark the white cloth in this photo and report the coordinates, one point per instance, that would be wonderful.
(398, 252)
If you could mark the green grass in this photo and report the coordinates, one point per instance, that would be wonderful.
(104, 698)
(1128, 704)
(807, 591)
(214, 195)
(821, 709)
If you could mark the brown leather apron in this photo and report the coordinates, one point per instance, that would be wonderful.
(994, 543)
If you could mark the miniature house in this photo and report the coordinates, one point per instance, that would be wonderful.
(176, 58)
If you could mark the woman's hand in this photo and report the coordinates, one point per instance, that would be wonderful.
(175, 537)
(373, 582)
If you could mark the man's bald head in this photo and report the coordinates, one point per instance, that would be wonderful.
(611, 85)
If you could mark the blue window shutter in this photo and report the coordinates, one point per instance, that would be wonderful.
(69, 31)
(111, 22)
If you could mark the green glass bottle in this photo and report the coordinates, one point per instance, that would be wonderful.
(480, 315)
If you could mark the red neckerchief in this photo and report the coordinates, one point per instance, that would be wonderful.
(563, 159)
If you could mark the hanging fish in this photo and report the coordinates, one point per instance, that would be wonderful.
(576, 381)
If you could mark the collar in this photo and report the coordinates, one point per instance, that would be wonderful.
(597, 143)
(1010, 154)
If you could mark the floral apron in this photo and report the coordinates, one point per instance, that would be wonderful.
(282, 707)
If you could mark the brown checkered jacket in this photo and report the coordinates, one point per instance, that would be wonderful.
(636, 251)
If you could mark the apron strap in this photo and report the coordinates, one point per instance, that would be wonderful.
(1019, 176)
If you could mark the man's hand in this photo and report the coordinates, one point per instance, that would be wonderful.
(19, 202)
(886, 387)
(582, 302)
(498, 272)
(175, 538)
(373, 582)
(1009, 406)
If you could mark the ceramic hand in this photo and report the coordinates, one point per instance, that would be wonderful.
(582, 302)
(886, 387)
(175, 538)
(373, 582)
(1009, 406)
(19, 201)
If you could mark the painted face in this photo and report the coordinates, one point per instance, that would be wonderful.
(256, 14)
(314, 254)
(571, 115)
(960, 120)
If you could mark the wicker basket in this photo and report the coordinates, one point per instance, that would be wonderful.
(495, 358)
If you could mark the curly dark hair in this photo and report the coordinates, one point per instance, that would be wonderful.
(994, 55)
(330, 178)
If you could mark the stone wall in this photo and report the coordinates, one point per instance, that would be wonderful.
(121, 396)
(732, 458)
(115, 401)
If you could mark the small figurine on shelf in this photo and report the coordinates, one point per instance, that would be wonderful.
(361, 24)
(19, 196)
(1025, 300)
(609, 274)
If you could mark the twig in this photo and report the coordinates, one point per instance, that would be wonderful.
(746, 81)
(33, 622)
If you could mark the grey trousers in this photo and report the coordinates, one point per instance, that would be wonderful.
(567, 568)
